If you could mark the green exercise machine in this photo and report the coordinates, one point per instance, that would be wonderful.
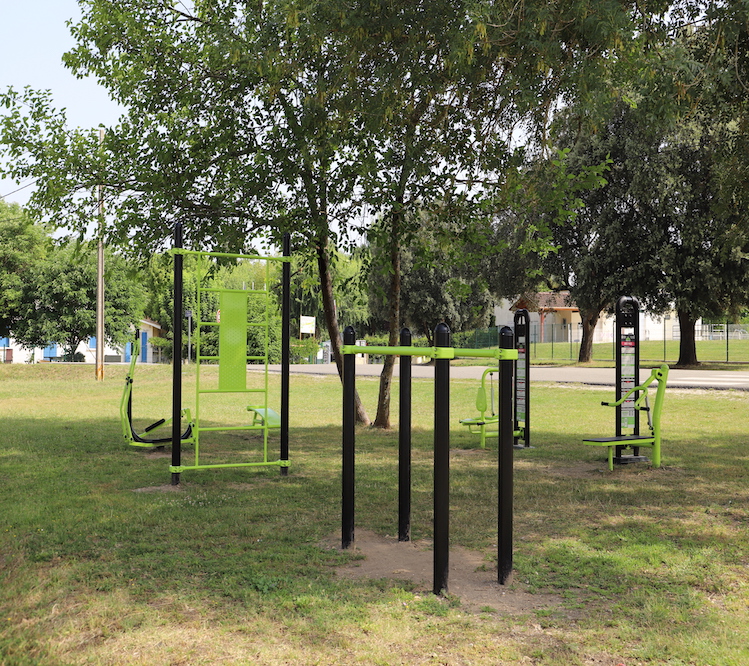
(631, 398)
(240, 329)
(154, 435)
(487, 419)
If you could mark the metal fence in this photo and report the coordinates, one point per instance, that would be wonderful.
(717, 343)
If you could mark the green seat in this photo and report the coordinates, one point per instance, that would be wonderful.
(478, 424)
(653, 439)
(263, 416)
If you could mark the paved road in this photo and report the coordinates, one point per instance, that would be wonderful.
(706, 379)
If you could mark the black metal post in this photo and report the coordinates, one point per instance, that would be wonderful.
(505, 471)
(441, 462)
(349, 441)
(522, 401)
(404, 443)
(627, 340)
(285, 352)
(177, 357)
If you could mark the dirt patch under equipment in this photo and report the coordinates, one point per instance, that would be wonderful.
(472, 578)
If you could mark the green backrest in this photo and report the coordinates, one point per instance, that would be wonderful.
(481, 400)
(661, 375)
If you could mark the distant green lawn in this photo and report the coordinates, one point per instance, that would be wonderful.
(709, 351)
(641, 566)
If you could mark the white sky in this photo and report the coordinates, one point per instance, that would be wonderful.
(33, 38)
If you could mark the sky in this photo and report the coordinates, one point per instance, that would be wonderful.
(33, 38)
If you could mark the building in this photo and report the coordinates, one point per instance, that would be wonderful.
(12, 352)
(554, 317)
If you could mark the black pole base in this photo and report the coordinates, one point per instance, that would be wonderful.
(521, 447)
(175, 478)
(284, 471)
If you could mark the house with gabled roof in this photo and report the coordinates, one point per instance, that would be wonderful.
(555, 317)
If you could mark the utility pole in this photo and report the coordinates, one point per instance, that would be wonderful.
(100, 282)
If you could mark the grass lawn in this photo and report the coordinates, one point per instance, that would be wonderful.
(101, 563)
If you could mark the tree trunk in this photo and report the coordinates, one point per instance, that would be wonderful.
(382, 420)
(687, 346)
(331, 320)
(589, 319)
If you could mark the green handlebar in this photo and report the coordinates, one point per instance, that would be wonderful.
(434, 352)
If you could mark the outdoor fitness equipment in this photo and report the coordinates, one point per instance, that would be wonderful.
(233, 321)
(148, 438)
(653, 439)
(441, 353)
(479, 424)
(521, 405)
(628, 402)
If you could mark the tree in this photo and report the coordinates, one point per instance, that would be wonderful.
(59, 300)
(612, 246)
(438, 284)
(22, 245)
(296, 116)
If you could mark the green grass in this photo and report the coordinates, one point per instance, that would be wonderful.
(646, 566)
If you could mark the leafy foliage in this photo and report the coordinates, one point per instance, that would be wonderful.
(22, 245)
(59, 300)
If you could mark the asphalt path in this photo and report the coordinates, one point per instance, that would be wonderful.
(689, 379)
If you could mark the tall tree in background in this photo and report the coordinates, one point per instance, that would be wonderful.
(22, 245)
(436, 285)
(612, 246)
(59, 301)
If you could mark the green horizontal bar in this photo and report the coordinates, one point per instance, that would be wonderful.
(222, 391)
(220, 290)
(434, 352)
(389, 351)
(228, 254)
(222, 428)
(500, 354)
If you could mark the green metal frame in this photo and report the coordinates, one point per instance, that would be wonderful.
(232, 358)
(653, 440)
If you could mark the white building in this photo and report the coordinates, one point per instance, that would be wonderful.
(555, 318)
(12, 352)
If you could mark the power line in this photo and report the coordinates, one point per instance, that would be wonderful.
(23, 187)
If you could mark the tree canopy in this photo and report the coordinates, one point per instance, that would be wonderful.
(58, 302)
(22, 244)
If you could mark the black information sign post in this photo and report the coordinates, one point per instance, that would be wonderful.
(522, 421)
(627, 353)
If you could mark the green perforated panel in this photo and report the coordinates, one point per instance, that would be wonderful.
(232, 342)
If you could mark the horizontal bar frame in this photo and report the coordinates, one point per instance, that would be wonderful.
(434, 352)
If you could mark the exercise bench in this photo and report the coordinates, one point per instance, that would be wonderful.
(652, 440)
(261, 415)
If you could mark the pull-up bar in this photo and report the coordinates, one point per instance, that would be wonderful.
(442, 353)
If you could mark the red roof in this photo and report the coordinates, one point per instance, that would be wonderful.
(546, 301)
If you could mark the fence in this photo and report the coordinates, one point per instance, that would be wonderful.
(718, 343)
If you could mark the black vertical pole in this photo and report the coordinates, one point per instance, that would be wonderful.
(177, 357)
(505, 472)
(522, 398)
(404, 443)
(349, 434)
(441, 462)
(627, 340)
(285, 342)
